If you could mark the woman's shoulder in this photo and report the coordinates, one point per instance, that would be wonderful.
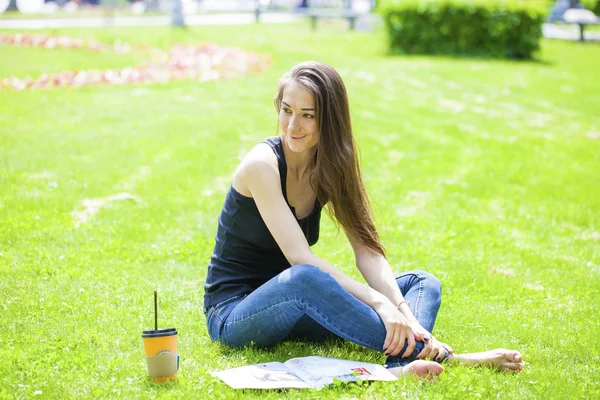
(260, 162)
(261, 155)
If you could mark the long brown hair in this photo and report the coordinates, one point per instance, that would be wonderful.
(336, 177)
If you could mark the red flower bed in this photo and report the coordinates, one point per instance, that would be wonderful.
(198, 62)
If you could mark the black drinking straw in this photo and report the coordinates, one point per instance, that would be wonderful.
(155, 311)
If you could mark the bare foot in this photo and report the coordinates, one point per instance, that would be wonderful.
(419, 368)
(499, 358)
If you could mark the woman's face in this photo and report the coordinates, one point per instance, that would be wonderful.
(297, 118)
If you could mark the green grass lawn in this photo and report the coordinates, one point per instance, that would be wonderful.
(485, 173)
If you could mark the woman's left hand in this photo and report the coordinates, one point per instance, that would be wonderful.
(421, 333)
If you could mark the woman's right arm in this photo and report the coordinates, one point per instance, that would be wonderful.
(259, 175)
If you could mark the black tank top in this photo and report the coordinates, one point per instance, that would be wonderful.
(245, 254)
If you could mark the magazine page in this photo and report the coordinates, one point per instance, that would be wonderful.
(321, 371)
(273, 375)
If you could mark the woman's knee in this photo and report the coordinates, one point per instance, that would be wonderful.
(304, 277)
(430, 282)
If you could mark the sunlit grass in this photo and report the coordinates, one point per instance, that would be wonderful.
(484, 173)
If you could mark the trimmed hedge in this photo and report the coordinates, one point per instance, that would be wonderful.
(490, 28)
(592, 5)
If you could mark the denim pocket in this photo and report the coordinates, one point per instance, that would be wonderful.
(222, 309)
(212, 327)
(216, 315)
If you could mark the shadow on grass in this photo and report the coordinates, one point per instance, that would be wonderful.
(334, 347)
(148, 384)
(475, 57)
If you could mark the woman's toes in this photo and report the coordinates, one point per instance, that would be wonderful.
(513, 356)
(512, 367)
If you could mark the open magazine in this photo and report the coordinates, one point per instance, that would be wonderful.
(301, 373)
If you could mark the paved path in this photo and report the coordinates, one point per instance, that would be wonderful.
(95, 22)
(553, 31)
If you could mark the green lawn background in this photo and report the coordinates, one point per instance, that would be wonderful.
(483, 172)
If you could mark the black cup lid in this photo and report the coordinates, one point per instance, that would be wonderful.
(159, 332)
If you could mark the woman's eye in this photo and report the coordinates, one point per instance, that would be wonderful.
(287, 110)
(309, 116)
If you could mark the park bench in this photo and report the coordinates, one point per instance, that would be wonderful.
(571, 12)
(332, 13)
(350, 10)
(579, 17)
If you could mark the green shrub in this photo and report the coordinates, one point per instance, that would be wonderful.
(592, 5)
(491, 28)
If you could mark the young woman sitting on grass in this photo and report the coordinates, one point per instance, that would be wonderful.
(264, 284)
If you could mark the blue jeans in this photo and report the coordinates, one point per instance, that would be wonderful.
(305, 302)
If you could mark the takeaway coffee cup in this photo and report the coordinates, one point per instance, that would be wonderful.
(160, 346)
